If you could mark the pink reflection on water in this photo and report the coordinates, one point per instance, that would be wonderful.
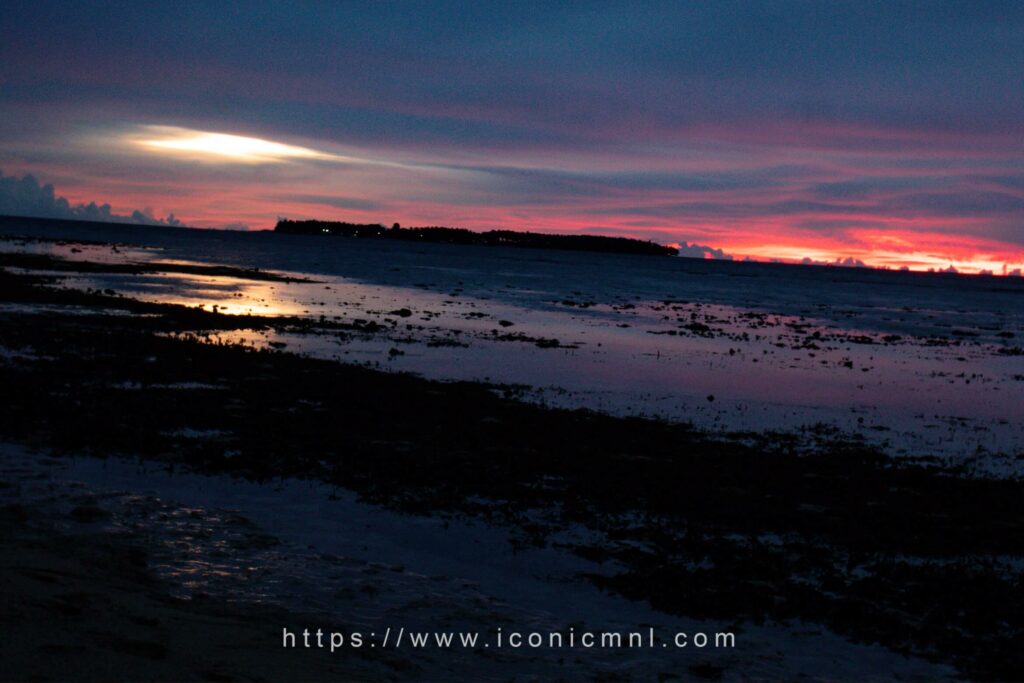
(723, 367)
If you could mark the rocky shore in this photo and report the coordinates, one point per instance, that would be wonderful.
(757, 528)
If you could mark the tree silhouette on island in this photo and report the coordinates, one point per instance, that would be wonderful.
(508, 238)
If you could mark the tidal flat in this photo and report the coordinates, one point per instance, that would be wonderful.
(890, 534)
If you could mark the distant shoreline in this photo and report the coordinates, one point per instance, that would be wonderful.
(446, 235)
(9, 222)
(439, 235)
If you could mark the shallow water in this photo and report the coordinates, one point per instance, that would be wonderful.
(920, 365)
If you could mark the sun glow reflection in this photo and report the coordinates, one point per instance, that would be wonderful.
(223, 146)
(918, 260)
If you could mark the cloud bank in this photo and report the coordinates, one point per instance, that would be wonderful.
(701, 251)
(25, 196)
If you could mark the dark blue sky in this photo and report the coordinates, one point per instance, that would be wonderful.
(891, 131)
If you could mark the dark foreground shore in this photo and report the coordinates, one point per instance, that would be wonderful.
(83, 606)
(769, 527)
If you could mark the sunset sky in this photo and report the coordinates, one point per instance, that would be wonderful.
(887, 132)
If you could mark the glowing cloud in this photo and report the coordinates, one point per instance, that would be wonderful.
(224, 147)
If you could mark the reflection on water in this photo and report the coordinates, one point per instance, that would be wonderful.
(719, 366)
(217, 294)
(79, 251)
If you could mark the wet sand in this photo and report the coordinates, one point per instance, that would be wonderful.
(84, 606)
(329, 559)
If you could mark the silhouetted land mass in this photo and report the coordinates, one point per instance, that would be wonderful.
(14, 223)
(508, 238)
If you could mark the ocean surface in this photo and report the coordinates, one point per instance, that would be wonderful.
(917, 364)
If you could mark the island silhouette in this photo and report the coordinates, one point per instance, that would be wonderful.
(446, 235)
